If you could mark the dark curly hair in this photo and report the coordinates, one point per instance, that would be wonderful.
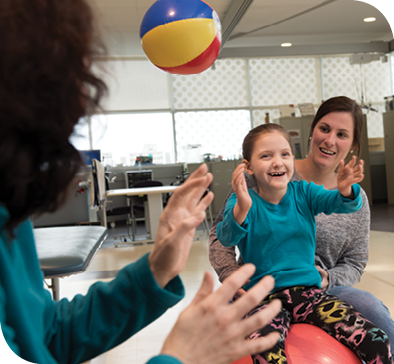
(46, 86)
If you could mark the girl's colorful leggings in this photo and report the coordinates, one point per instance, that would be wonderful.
(314, 306)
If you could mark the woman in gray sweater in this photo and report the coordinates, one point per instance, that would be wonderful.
(342, 241)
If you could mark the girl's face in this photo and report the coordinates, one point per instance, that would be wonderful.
(332, 139)
(272, 163)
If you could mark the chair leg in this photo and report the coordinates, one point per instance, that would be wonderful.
(146, 217)
(133, 225)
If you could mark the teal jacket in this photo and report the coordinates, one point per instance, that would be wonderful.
(280, 239)
(46, 332)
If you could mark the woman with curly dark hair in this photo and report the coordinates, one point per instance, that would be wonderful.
(46, 87)
(44, 77)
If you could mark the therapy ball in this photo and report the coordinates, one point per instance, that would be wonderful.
(181, 36)
(307, 344)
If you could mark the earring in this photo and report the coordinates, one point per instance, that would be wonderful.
(352, 151)
(310, 138)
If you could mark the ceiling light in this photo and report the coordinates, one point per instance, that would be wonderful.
(286, 45)
(369, 20)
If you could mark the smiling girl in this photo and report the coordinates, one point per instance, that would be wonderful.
(274, 228)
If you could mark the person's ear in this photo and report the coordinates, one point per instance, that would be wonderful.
(353, 148)
(248, 167)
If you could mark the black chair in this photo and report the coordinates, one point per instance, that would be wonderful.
(115, 211)
(137, 205)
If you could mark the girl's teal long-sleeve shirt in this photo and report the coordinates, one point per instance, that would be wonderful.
(46, 332)
(280, 239)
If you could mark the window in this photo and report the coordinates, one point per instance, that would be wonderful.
(216, 132)
(80, 137)
(123, 137)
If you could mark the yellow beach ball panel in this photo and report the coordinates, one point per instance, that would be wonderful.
(179, 42)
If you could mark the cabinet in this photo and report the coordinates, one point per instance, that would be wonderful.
(388, 125)
(298, 128)
(366, 183)
(221, 186)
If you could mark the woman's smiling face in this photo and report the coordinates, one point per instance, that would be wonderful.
(332, 138)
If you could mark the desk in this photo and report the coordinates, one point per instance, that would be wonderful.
(155, 202)
(63, 251)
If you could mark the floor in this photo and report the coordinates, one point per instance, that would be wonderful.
(378, 279)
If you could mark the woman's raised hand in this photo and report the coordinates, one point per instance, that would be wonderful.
(244, 201)
(212, 331)
(184, 212)
(349, 175)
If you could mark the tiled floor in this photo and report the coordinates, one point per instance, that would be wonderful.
(378, 279)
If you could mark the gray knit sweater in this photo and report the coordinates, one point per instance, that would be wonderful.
(342, 244)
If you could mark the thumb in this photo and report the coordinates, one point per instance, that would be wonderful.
(205, 289)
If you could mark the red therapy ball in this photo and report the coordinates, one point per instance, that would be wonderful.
(308, 344)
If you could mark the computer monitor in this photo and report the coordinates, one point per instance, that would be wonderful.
(88, 155)
(132, 177)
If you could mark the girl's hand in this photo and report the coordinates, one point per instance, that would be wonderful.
(324, 277)
(244, 201)
(184, 212)
(349, 175)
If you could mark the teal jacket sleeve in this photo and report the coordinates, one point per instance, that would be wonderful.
(110, 313)
(331, 201)
(229, 232)
(164, 359)
(47, 332)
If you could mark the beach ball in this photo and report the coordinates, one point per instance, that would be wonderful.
(181, 36)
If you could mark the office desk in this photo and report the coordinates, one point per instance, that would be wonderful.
(63, 251)
(155, 202)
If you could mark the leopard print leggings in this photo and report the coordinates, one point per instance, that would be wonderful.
(339, 319)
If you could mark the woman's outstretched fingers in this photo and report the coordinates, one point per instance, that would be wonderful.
(261, 344)
(255, 295)
(261, 318)
(183, 213)
(205, 289)
(211, 330)
(189, 195)
(234, 282)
